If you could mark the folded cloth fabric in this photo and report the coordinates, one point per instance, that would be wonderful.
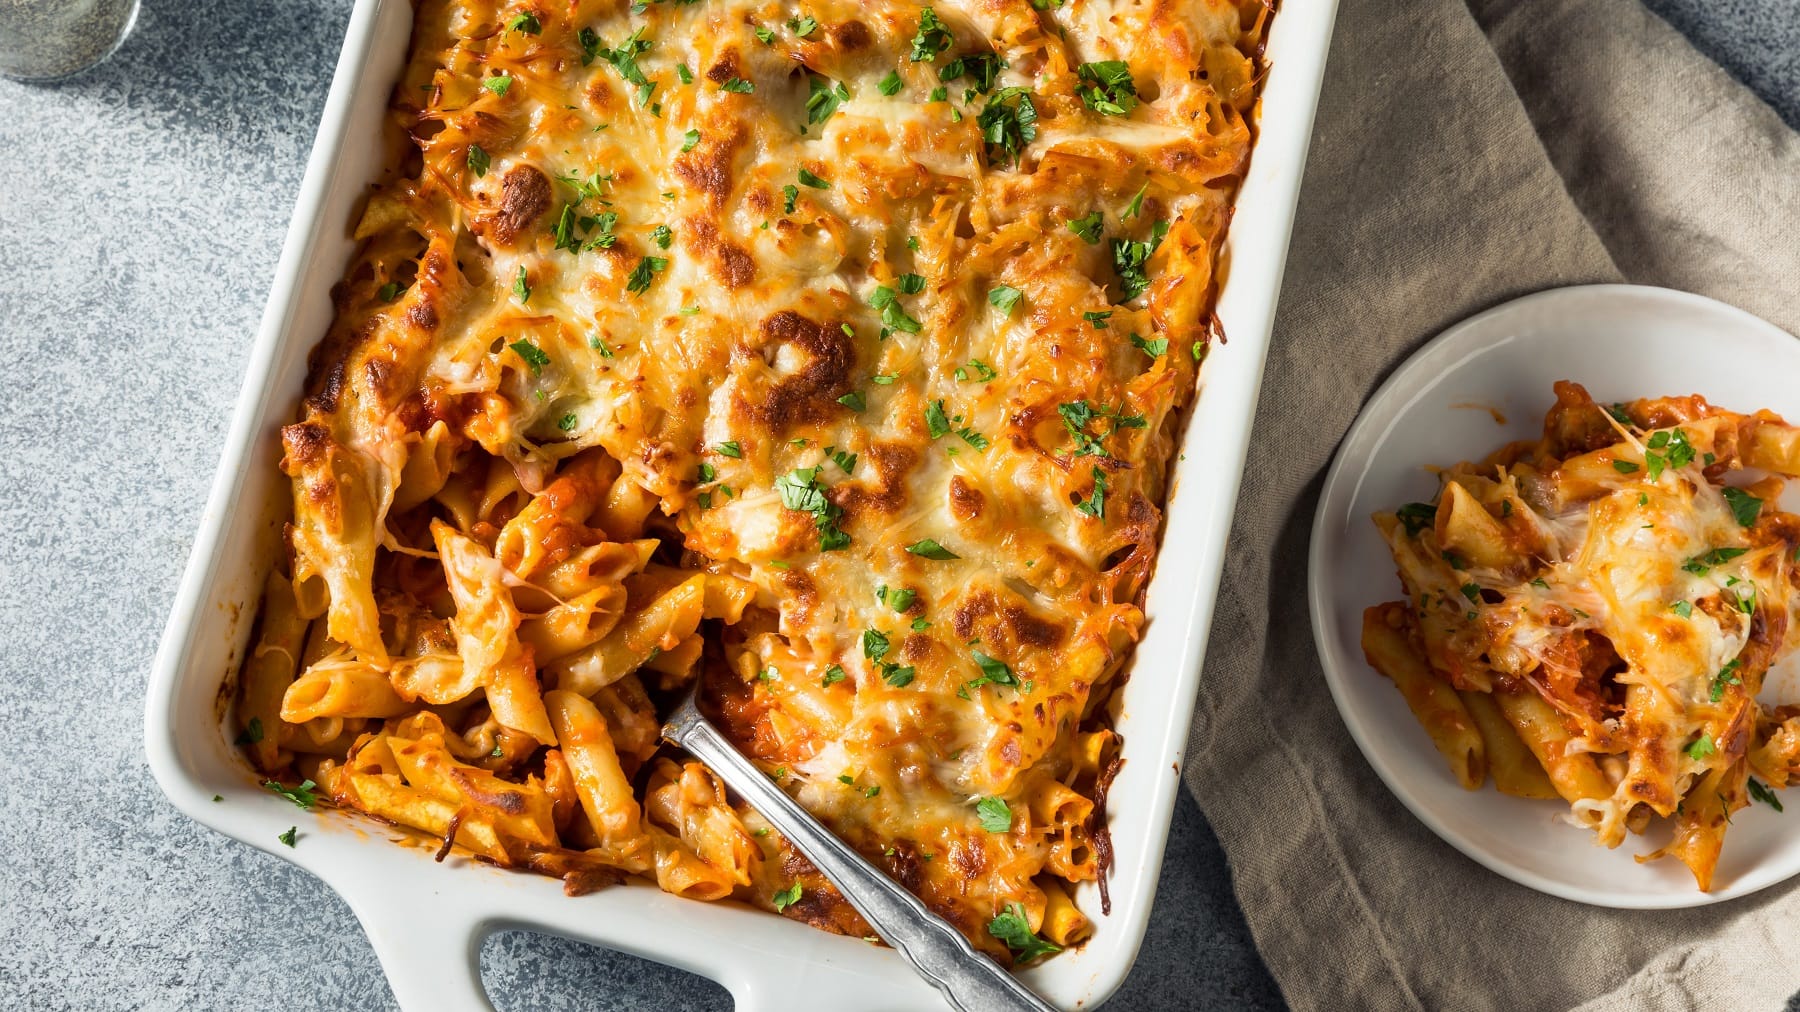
(1467, 153)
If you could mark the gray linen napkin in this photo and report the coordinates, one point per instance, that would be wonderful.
(1464, 157)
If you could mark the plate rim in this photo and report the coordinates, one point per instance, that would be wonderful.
(1320, 603)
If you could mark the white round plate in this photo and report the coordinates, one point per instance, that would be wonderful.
(1480, 384)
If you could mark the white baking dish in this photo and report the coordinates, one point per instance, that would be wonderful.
(426, 920)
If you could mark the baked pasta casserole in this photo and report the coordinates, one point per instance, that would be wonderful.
(830, 353)
(1589, 616)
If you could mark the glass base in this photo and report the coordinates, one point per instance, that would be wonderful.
(38, 47)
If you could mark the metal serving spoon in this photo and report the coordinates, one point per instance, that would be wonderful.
(971, 981)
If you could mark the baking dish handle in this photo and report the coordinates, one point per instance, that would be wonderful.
(430, 952)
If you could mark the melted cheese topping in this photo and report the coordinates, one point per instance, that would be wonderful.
(903, 346)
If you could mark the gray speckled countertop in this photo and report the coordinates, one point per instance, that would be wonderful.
(142, 206)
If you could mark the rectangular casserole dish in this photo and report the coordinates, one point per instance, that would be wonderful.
(425, 920)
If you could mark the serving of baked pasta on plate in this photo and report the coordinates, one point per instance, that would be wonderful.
(1590, 615)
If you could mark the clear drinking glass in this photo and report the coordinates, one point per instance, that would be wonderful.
(43, 40)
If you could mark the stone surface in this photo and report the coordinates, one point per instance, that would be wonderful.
(142, 209)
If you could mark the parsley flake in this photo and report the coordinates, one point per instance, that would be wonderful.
(890, 85)
(1107, 87)
(521, 287)
(932, 38)
(302, 796)
(1004, 298)
(787, 897)
(1011, 927)
(995, 814)
(816, 182)
(478, 161)
(739, 86)
(929, 548)
(534, 356)
(645, 272)
(1088, 227)
(1760, 792)
(1744, 506)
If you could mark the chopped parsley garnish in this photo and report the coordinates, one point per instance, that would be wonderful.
(892, 314)
(899, 678)
(995, 814)
(252, 733)
(498, 84)
(689, 139)
(533, 355)
(1130, 256)
(624, 60)
(738, 85)
(1136, 206)
(1416, 516)
(981, 68)
(801, 491)
(478, 160)
(1541, 583)
(685, 75)
(1676, 451)
(1095, 504)
(765, 35)
(302, 795)
(936, 422)
(1699, 565)
(1682, 608)
(1098, 319)
(1011, 927)
(1701, 748)
(599, 344)
(290, 836)
(1624, 467)
(521, 287)
(842, 458)
(929, 548)
(874, 644)
(824, 99)
(910, 284)
(787, 897)
(1744, 506)
(891, 84)
(803, 26)
(1107, 87)
(1472, 591)
(662, 235)
(984, 373)
(1008, 123)
(731, 449)
(524, 21)
(1155, 348)
(993, 672)
(1760, 792)
(789, 195)
(645, 271)
(1004, 298)
(568, 422)
(1728, 675)
(932, 38)
(1088, 227)
(1078, 415)
(901, 599)
(591, 45)
(816, 182)
(833, 675)
(853, 400)
(973, 438)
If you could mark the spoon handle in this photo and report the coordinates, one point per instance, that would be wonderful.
(939, 952)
